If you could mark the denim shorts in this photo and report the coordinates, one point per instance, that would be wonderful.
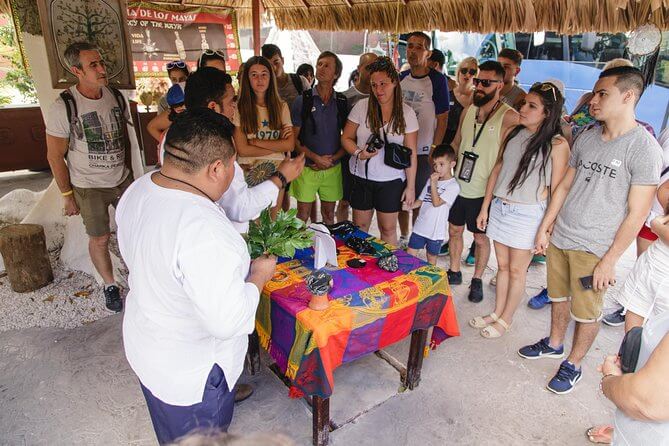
(514, 224)
(419, 242)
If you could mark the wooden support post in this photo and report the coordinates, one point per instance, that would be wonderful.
(253, 353)
(321, 420)
(23, 249)
(256, 12)
(415, 362)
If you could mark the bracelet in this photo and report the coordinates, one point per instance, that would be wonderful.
(357, 152)
(68, 193)
(601, 381)
(281, 177)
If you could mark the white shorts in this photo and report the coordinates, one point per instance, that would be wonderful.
(647, 286)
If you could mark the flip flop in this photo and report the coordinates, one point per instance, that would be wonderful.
(600, 434)
(490, 332)
(479, 322)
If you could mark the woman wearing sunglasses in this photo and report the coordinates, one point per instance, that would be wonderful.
(461, 95)
(373, 123)
(533, 160)
(263, 129)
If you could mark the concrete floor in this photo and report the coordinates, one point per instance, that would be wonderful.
(74, 387)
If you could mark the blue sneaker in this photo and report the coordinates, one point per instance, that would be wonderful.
(541, 350)
(470, 260)
(565, 379)
(443, 252)
(539, 301)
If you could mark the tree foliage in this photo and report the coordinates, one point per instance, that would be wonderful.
(16, 77)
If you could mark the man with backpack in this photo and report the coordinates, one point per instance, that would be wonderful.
(290, 85)
(87, 125)
(318, 116)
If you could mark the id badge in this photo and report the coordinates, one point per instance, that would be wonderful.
(467, 166)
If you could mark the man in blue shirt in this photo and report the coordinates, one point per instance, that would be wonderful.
(320, 142)
(426, 91)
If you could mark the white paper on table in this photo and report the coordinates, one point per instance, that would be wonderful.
(325, 248)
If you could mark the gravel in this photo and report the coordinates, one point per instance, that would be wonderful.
(71, 300)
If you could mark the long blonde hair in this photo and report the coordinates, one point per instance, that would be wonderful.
(396, 124)
(248, 111)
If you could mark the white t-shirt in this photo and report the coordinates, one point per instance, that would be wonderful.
(428, 96)
(189, 306)
(656, 210)
(96, 155)
(377, 170)
(242, 203)
(431, 222)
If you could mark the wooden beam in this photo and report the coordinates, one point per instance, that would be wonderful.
(306, 5)
(348, 3)
(256, 12)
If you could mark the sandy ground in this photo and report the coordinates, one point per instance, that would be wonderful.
(74, 387)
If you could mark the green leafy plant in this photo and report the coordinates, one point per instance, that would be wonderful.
(17, 77)
(280, 237)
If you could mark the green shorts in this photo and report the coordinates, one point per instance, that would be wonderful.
(326, 183)
(94, 205)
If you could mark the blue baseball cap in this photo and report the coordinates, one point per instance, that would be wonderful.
(175, 95)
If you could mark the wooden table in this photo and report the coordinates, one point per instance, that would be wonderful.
(369, 309)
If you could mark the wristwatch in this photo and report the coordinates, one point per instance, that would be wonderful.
(281, 177)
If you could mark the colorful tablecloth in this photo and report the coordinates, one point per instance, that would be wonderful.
(369, 309)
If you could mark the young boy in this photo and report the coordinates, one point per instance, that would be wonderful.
(435, 202)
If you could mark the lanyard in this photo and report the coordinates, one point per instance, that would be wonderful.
(477, 136)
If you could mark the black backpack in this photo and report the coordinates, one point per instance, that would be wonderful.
(297, 83)
(308, 117)
(71, 104)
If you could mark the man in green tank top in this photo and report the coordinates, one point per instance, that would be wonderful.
(483, 126)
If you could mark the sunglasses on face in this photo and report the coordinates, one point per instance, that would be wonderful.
(176, 64)
(544, 86)
(471, 71)
(485, 82)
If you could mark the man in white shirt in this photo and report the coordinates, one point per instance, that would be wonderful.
(193, 290)
(87, 124)
(210, 88)
(425, 90)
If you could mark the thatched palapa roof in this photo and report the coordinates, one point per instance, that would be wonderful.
(564, 16)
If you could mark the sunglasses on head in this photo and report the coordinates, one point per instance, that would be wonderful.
(176, 64)
(485, 82)
(219, 53)
(544, 86)
(471, 71)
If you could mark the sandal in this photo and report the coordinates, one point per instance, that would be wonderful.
(600, 434)
(479, 322)
(491, 332)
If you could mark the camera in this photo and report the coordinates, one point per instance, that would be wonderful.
(373, 143)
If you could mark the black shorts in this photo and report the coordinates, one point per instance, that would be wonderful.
(384, 196)
(346, 177)
(423, 172)
(465, 211)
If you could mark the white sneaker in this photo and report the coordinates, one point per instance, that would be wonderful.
(493, 281)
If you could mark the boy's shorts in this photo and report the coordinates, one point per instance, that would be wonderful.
(419, 242)
(326, 183)
(565, 268)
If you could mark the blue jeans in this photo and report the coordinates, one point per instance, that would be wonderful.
(215, 411)
(419, 242)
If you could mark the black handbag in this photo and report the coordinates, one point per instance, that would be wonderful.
(629, 350)
(396, 155)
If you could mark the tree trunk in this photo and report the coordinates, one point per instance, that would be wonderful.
(23, 248)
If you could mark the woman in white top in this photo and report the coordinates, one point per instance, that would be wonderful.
(533, 159)
(377, 186)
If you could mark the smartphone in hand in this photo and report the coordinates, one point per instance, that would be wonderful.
(586, 282)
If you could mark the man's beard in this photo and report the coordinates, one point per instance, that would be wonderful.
(480, 101)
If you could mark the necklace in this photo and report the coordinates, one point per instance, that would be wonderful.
(187, 184)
